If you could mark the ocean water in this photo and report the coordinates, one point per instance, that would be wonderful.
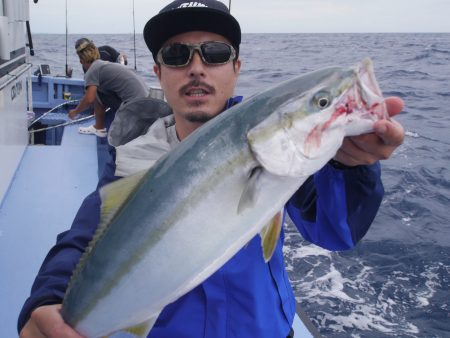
(395, 283)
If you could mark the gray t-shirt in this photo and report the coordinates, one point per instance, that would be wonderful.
(115, 83)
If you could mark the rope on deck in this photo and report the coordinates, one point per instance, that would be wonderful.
(62, 124)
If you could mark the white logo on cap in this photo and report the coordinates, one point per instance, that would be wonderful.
(192, 4)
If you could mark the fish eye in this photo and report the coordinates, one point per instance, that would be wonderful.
(322, 100)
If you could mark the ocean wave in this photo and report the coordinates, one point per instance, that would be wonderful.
(368, 293)
(429, 53)
(409, 73)
(419, 57)
(418, 93)
(439, 51)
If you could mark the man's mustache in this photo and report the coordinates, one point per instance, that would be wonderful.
(196, 83)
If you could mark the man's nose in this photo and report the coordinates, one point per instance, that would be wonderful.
(196, 65)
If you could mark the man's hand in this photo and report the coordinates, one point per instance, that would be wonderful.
(86, 101)
(368, 148)
(72, 113)
(47, 322)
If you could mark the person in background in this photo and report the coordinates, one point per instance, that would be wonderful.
(107, 84)
(107, 53)
(195, 46)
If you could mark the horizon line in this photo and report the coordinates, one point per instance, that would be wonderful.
(343, 32)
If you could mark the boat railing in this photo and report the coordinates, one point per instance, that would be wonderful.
(50, 91)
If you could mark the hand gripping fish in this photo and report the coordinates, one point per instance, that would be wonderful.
(239, 169)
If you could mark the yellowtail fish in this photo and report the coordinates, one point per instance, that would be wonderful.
(166, 230)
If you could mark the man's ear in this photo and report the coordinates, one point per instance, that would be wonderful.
(237, 66)
(157, 71)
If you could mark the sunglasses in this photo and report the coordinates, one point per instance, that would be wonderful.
(213, 53)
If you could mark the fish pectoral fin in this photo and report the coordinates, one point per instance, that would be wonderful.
(141, 330)
(250, 192)
(270, 234)
(115, 194)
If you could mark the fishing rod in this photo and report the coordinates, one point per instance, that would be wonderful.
(67, 33)
(30, 39)
(229, 6)
(134, 39)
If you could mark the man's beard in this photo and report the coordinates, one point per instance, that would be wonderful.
(198, 117)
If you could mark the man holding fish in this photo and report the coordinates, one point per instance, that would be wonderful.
(198, 269)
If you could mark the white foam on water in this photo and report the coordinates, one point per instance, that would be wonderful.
(406, 220)
(363, 319)
(361, 306)
(432, 283)
(306, 251)
(412, 134)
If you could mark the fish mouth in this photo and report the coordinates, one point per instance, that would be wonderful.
(370, 90)
(369, 93)
(366, 75)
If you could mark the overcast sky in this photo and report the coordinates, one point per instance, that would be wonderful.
(255, 16)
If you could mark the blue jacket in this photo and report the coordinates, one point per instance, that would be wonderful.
(246, 297)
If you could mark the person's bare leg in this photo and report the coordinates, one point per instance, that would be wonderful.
(99, 111)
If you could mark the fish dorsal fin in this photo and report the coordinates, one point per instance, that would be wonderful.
(270, 234)
(249, 195)
(115, 194)
(113, 197)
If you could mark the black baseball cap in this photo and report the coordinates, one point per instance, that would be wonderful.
(182, 16)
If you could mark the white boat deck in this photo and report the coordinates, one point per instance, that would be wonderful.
(46, 192)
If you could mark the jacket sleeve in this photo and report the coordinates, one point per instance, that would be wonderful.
(54, 275)
(334, 208)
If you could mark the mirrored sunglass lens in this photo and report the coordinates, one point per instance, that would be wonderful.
(216, 52)
(175, 55)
